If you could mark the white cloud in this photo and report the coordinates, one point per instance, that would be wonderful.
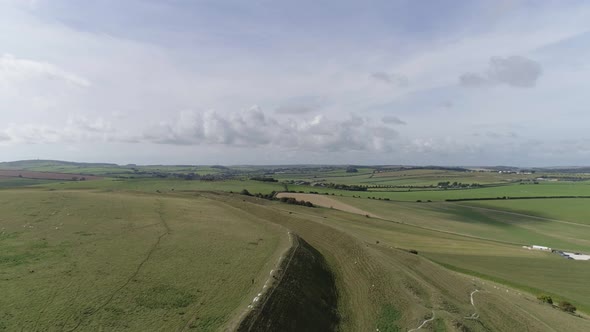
(87, 81)
(16, 70)
(254, 128)
(77, 129)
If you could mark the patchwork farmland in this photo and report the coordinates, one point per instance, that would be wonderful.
(223, 251)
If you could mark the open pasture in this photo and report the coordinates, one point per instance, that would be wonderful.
(162, 252)
(481, 243)
(576, 210)
(117, 261)
(384, 286)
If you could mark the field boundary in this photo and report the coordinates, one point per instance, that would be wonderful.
(506, 198)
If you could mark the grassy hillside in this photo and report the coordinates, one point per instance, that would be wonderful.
(572, 210)
(170, 254)
(382, 287)
(90, 261)
(483, 243)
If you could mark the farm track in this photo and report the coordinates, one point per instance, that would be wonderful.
(137, 270)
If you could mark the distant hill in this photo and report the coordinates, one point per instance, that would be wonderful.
(565, 169)
(24, 164)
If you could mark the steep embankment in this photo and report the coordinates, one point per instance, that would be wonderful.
(381, 288)
(304, 297)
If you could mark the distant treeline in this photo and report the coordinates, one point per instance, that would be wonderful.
(408, 168)
(263, 179)
(443, 185)
(509, 197)
(345, 187)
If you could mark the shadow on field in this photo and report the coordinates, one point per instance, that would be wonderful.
(304, 299)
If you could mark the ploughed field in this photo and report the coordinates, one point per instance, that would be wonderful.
(44, 175)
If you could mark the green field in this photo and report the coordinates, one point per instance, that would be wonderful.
(158, 252)
(7, 182)
(485, 243)
(572, 210)
(89, 261)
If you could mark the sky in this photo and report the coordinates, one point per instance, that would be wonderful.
(466, 83)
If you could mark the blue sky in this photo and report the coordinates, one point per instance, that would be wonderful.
(276, 82)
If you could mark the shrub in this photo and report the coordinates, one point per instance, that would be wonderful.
(567, 307)
(545, 299)
(245, 192)
(412, 251)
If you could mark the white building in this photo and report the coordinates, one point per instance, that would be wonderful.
(578, 257)
(535, 247)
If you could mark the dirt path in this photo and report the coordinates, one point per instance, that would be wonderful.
(328, 202)
(424, 323)
(475, 315)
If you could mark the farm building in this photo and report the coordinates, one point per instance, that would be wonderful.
(535, 247)
(576, 256)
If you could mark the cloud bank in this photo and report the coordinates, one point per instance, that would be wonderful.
(250, 128)
(254, 128)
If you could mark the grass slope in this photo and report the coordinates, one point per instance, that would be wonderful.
(381, 287)
(572, 210)
(482, 243)
(118, 261)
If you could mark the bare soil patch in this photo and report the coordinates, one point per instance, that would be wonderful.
(329, 202)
